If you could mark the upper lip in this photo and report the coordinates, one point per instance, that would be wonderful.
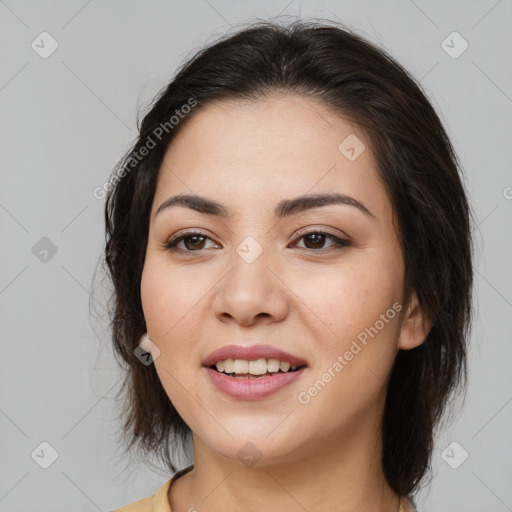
(251, 353)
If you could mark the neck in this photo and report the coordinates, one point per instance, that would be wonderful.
(336, 476)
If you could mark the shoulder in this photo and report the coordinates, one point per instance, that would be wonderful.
(156, 503)
(144, 505)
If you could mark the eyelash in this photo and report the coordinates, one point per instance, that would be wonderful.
(339, 243)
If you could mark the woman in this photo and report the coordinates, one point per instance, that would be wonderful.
(289, 241)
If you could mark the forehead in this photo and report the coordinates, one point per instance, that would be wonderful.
(281, 146)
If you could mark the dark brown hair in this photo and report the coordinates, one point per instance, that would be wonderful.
(329, 63)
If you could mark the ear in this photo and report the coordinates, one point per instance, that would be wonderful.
(415, 326)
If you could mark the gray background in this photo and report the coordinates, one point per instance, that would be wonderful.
(68, 118)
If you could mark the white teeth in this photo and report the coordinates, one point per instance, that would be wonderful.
(284, 366)
(256, 367)
(229, 366)
(241, 366)
(273, 365)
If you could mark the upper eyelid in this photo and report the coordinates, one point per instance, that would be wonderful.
(189, 232)
(307, 231)
(298, 235)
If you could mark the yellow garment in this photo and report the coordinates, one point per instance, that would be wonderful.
(160, 503)
(157, 503)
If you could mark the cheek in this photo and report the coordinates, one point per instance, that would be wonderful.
(355, 328)
(169, 301)
(353, 316)
(341, 303)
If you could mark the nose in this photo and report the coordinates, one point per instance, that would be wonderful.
(251, 293)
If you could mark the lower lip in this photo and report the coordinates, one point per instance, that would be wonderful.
(252, 389)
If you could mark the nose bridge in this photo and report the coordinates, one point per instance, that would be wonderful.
(250, 289)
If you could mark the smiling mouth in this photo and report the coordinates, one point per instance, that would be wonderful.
(260, 368)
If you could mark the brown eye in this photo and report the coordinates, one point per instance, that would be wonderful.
(190, 242)
(315, 240)
(194, 242)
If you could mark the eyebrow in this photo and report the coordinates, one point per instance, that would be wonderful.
(283, 209)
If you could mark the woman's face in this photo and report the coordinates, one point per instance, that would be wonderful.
(255, 275)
